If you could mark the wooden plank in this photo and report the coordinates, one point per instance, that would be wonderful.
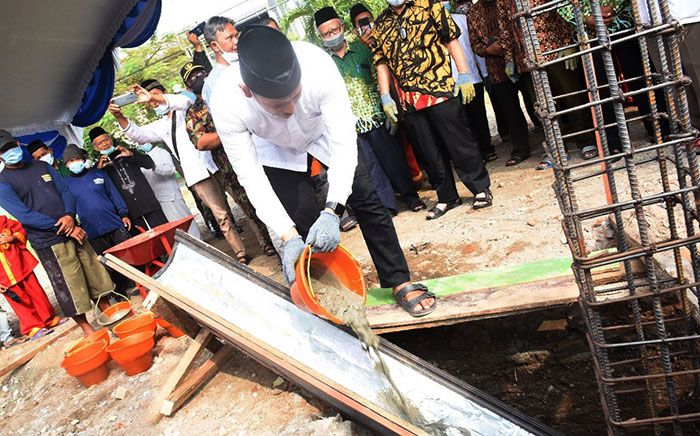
(196, 380)
(302, 375)
(478, 304)
(38, 347)
(193, 351)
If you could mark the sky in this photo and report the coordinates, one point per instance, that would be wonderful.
(178, 15)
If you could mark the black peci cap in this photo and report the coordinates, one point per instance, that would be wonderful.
(36, 145)
(152, 84)
(356, 10)
(269, 66)
(95, 132)
(5, 139)
(325, 14)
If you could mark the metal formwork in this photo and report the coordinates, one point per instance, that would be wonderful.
(641, 331)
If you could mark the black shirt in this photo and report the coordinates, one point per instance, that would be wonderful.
(125, 173)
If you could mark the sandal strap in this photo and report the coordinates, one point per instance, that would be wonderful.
(399, 295)
(413, 302)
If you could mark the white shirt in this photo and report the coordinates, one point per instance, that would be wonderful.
(196, 165)
(475, 64)
(162, 177)
(210, 81)
(685, 11)
(322, 125)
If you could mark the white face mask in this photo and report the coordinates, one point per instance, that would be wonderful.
(230, 58)
(396, 3)
(161, 109)
(48, 158)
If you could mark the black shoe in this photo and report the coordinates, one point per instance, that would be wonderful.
(483, 199)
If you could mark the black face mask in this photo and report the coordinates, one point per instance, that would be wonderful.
(197, 85)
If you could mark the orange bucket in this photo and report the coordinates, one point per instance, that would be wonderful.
(88, 364)
(100, 335)
(343, 266)
(144, 322)
(133, 353)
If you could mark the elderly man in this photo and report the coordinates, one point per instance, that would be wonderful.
(123, 167)
(39, 199)
(293, 95)
(422, 29)
(198, 167)
(383, 152)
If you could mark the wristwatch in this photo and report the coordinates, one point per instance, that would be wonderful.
(338, 208)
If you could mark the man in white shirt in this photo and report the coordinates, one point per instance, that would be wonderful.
(197, 166)
(165, 186)
(222, 36)
(294, 96)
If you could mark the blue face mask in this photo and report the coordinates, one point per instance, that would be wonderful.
(109, 151)
(76, 166)
(12, 156)
(146, 147)
(162, 110)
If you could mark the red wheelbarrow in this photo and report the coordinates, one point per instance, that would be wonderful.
(146, 249)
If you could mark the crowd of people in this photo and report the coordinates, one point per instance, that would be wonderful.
(306, 140)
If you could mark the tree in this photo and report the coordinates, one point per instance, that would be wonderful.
(305, 11)
(161, 57)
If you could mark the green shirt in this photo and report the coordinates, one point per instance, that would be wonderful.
(361, 81)
(624, 16)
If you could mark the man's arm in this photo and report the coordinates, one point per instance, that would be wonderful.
(142, 160)
(209, 141)
(62, 188)
(476, 36)
(164, 165)
(16, 207)
(458, 56)
(199, 57)
(336, 112)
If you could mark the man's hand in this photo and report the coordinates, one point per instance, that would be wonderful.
(324, 234)
(365, 36)
(78, 234)
(511, 71)
(569, 64)
(494, 49)
(464, 87)
(102, 162)
(391, 111)
(291, 250)
(65, 225)
(127, 222)
(142, 96)
(194, 40)
(608, 14)
(125, 152)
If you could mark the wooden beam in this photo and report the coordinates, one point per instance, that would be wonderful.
(191, 354)
(303, 376)
(195, 380)
(38, 347)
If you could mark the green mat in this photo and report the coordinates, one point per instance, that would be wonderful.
(489, 278)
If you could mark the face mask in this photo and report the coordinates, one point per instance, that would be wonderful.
(146, 147)
(396, 3)
(76, 166)
(109, 151)
(447, 6)
(162, 109)
(48, 158)
(197, 85)
(230, 58)
(12, 156)
(335, 42)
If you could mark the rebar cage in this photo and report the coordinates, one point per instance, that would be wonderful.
(641, 331)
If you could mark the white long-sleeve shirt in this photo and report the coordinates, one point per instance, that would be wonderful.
(685, 11)
(196, 165)
(475, 64)
(162, 177)
(322, 125)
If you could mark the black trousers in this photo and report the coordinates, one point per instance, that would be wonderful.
(476, 112)
(507, 96)
(563, 81)
(442, 133)
(380, 180)
(501, 121)
(390, 156)
(148, 220)
(109, 240)
(296, 192)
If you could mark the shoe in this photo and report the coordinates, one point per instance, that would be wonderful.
(483, 199)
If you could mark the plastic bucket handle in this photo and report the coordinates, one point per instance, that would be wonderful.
(99, 314)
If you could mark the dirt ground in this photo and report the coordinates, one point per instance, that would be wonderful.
(545, 374)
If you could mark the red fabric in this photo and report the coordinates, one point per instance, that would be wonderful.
(35, 309)
(411, 161)
(20, 261)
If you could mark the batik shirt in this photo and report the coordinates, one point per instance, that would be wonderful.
(484, 28)
(413, 46)
(360, 78)
(624, 16)
(552, 30)
(199, 121)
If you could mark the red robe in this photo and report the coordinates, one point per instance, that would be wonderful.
(17, 262)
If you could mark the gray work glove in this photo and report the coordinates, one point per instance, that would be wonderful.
(391, 111)
(324, 235)
(291, 250)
